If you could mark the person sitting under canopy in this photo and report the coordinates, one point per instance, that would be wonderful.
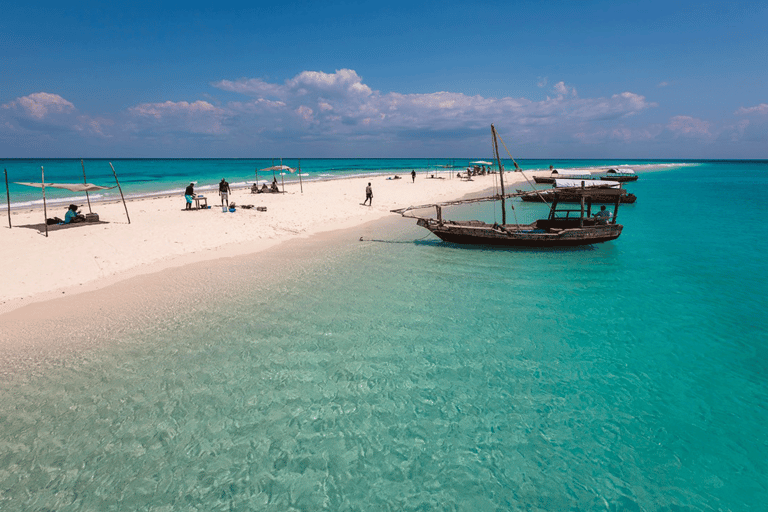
(72, 216)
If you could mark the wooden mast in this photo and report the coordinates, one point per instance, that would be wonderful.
(501, 176)
(86, 183)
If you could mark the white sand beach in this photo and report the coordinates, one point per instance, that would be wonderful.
(161, 234)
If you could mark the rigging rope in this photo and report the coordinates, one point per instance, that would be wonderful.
(521, 171)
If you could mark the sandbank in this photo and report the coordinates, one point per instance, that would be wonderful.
(161, 234)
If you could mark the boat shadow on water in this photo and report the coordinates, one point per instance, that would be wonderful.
(436, 242)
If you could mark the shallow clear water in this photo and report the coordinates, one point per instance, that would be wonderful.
(402, 373)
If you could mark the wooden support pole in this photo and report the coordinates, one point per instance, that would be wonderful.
(121, 192)
(301, 186)
(85, 183)
(45, 206)
(8, 197)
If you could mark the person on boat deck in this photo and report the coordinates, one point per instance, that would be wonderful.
(603, 216)
(72, 216)
(189, 195)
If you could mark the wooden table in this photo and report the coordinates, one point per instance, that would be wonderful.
(201, 199)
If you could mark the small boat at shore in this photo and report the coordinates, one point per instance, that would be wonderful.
(564, 226)
(622, 175)
(547, 196)
(564, 174)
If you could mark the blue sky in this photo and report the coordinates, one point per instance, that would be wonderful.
(590, 79)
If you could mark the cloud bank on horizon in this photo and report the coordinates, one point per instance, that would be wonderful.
(319, 114)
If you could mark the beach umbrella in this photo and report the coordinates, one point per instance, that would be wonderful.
(280, 168)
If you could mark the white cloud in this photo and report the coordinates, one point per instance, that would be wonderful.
(341, 103)
(40, 105)
(199, 117)
(339, 107)
(252, 87)
(758, 109)
(663, 84)
(563, 90)
(689, 126)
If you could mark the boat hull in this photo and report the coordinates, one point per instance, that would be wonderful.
(548, 196)
(619, 178)
(551, 179)
(530, 235)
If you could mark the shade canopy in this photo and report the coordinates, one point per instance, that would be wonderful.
(280, 168)
(72, 187)
(481, 162)
(621, 171)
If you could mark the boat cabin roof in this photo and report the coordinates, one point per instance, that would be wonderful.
(621, 171)
(570, 172)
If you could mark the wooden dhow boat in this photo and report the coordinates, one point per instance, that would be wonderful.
(564, 174)
(565, 226)
(621, 175)
(547, 196)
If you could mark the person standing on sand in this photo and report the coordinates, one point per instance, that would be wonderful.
(368, 195)
(189, 195)
(224, 191)
(413, 175)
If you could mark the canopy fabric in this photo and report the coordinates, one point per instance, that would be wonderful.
(587, 183)
(279, 168)
(72, 187)
(481, 162)
(621, 171)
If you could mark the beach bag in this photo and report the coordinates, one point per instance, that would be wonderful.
(52, 221)
(91, 217)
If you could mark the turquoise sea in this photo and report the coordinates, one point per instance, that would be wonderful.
(147, 177)
(403, 373)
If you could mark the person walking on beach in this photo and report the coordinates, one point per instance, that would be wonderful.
(224, 191)
(413, 175)
(189, 195)
(368, 195)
